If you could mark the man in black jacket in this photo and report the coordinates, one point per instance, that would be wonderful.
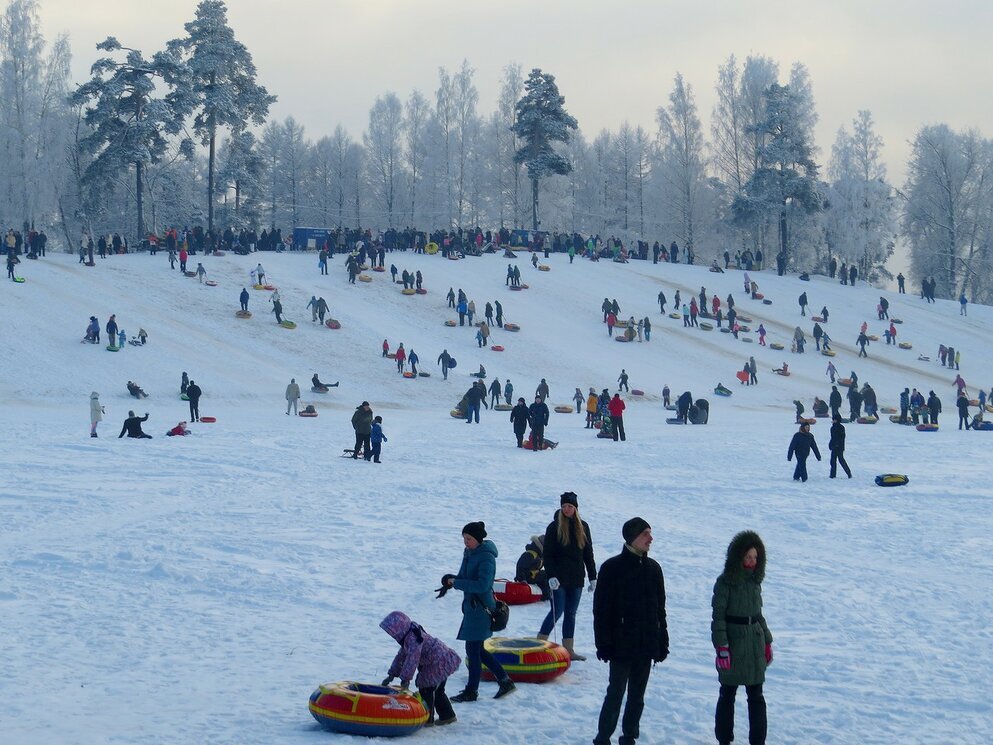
(193, 393)
(519, 418)
(538, 416)
(837, 447)
(801, 445)
(629, 624)
(132, 426)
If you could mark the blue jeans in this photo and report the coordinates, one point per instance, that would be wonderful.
(472, 409)
(476, 657)
(564, 600)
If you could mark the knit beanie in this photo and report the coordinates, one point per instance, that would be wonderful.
(633, 528)
(476, 530)
(569, 498)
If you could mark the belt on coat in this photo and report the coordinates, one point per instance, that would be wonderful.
(744, 620)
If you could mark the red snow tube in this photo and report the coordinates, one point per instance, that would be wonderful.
(421, 291)
(208, 419)
(409, 374)
(332, 324)
(497, 348)
(527, 660)
(637, 392)
(516, 593)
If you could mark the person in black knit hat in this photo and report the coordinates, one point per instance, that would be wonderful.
(475, 579)
(630, 629)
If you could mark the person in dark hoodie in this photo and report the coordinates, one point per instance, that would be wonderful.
(132, 426)
(519, 418)
(741, 637)
(538, 417)
(431, 659)
(193, 393)
(630, 628)
(362, 424)
(531, 566)
(934, 407)
(837, 447)
(475, 580)
(568, 561)
(801, 445)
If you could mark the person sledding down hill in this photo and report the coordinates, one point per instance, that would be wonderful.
(319, 386)
(135, 390)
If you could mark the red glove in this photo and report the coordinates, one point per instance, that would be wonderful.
(723, 661)
(768, 654)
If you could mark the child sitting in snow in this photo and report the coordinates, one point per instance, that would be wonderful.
(431, 659)
(178, 430)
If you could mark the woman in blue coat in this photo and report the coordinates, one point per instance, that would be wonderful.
(475, 580)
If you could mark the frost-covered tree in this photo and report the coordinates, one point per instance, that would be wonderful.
(241, 170)
(383, 150)
(860, 206)
(946, 217)
(682, 167)
(508, 170)
(417, 114)
(129, 124)
(218, 82)
(465, 98)
(540, 121)
(784, 186)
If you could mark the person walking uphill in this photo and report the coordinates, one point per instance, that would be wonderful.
(616, 409)
(568, 555)
(629, 624)
(243, 298)
(193, 393)
(801, 445)
(292, 396)
(432, 660)
(475, 580)
(837, 447)
(362, 424)
(538, 418)
(741, 637)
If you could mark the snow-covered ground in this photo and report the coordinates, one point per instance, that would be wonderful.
(196, 590)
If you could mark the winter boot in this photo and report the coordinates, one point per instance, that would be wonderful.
(567, 643)
(465, 697)
(506, 686)
(543, 637)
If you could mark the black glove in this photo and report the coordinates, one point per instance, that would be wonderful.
(661, 658)
(444, 585)
(604, 655)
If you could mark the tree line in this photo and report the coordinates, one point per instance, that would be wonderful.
(182, 136)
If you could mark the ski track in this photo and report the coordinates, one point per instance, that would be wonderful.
(198, 589)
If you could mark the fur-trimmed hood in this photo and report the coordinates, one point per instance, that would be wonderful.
(733, 570)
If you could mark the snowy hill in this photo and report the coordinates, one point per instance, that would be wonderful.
(217, 579)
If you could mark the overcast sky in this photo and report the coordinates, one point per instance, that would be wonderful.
(910, 62)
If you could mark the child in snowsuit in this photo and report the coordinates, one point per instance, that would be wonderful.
(531, 566)
(377, 438)
(431, 659)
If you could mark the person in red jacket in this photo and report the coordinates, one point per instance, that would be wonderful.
(616, 410)
(386, 347)
(183, 256)
(401, 358)
(611, 322)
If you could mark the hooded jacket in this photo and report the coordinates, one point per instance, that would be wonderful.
(738, 595)
(96, 410)
(432, 660)
(362, 421)
(801, 444)
(475, 580)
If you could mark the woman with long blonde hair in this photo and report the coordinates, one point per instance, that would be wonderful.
(568, 554)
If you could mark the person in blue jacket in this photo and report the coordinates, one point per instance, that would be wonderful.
(475, 580)
(377, 438)
(462, 308)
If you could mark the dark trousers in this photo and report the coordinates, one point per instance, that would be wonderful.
(436, 701)
(632, 676)
(537, 437)
(590, 416)
(362, 443)
(963, 419)
(194, 411)
(838, 456)
(476, 657)
(800, 472)
(244, 305)
(519, 433)
(472, 409)
(724, 717)
(377, 448)
(617, 427)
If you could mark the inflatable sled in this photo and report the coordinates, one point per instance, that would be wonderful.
(208, 419)
(828, 352)
(777, 346)
(379, 268)
(766, 302)
(243, 314)
(673, 420)
(269, 287)
(806, 420)
(544, 268)
(867, 420)
(497, 348)
(845, 381)
(984, 427)
(725, 330)
(183, 397)
(424, 375)
(527, 660)
(670, 407)
(742, 376)
(897, 321)
(288, 324)
(450, 323)
(258, 287)
(621, 338)
(720, 390)
(817, 319)
(431, 249)
(891, 479)
(367, 710)
(887, 410)
(564, 409)
(905, 345)
(872, 337)
(333, 324)
(112, 348)
(457, 414)
(409, 375)
(758, 296)
(210, 283)
(511, 327)
(420, 291)
(927, 427)
(516, 593)
(319, 390)
(675, 316)
(503, 407)
(189, 274)
(747, 339)
(367, 278)
(637, 392)
(896, 420)
(923, 358)
(451, 363)
(19, 280)
(704, 326)
(408, 291)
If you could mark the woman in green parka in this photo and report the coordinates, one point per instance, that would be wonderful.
(741, 636)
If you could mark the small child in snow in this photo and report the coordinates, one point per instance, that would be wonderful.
(665, 395)
(377, 438)
(122, 338)
(431, 659)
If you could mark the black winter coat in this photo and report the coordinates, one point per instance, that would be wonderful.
(193, 392)
(801, 444)
(837, 441)
(629, 620)
(538, 414)
(835, 399)
(567, 563)
(519, 416)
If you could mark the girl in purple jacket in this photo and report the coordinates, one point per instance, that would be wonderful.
(431, 659)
